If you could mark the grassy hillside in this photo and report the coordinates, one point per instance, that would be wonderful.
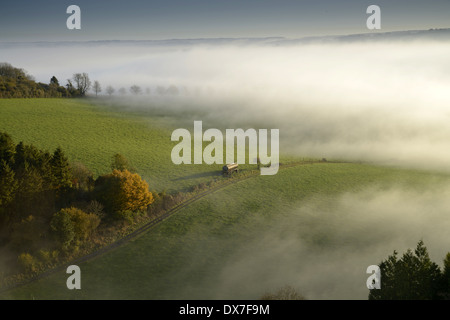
(252, 236)
(93, 134)
(211, 248)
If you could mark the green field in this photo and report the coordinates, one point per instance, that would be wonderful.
(227, 245)
(185, 257)
(92, 134)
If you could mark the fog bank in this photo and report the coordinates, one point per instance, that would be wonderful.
(323, 249)
(386, 102)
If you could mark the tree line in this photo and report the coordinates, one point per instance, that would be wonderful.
(51, 210)
(413, 276)
(17, 83)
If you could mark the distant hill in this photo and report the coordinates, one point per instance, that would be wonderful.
(410, 35)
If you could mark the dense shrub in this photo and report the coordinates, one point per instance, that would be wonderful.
(123, 191)
(72, 225)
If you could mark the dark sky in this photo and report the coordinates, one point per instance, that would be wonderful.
(138, 19)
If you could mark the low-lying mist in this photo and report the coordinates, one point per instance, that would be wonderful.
(382, 102)
(323, 249)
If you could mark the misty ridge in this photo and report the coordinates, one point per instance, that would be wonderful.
(347, 97)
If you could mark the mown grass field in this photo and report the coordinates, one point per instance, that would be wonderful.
(194, 253)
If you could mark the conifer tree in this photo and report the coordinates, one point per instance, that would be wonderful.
(62, 176)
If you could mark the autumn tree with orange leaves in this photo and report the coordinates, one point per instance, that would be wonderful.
(123, 191)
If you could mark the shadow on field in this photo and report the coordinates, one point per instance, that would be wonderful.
(214, 173)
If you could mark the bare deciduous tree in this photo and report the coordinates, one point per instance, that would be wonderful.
(110, 90)
(97, 87)
(82, 82)
(135, 90)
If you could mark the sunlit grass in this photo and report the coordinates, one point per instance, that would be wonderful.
(183, 257)
(92, 134)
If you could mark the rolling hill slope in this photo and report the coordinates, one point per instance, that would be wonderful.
(92, 134)
(247, 238)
